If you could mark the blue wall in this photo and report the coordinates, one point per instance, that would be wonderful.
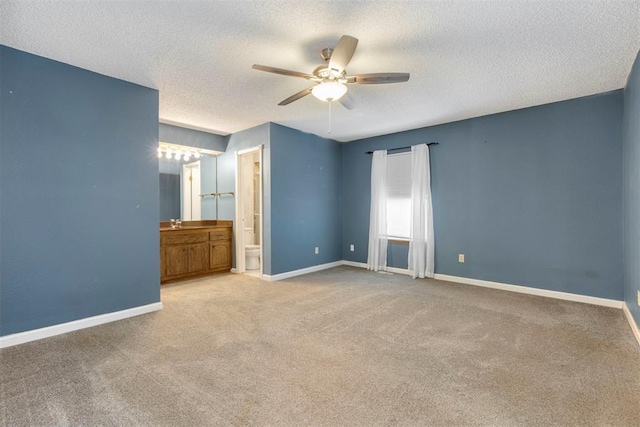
(78, 193)
(631, 189)
(192, 138)
(306, 199)
(302, 195)
(532, 197)
(239, 141)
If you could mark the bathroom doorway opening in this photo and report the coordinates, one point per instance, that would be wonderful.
(249, 217)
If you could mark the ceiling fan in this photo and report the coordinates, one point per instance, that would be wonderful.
(331, 77)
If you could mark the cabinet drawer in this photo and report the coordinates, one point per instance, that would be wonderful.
(222, 234)
(174, 238)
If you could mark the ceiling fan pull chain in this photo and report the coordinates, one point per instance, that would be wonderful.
(330, 102)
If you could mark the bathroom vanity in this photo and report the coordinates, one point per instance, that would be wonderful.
(195, 249)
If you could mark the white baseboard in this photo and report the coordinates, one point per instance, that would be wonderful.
(632, 322)
(507, 287)
(387, 270)
(354, 264)
(302, 271)
(50, 331)
(532, 291)
(394, 270)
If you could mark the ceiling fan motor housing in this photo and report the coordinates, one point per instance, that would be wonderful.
(325, 73)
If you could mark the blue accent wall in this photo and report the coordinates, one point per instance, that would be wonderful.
(78, 193)
(532, 197)
(239, 141)
(631, 189)
(306, 199)
(192, 138)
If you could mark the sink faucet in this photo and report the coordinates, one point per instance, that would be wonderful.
(176, 223)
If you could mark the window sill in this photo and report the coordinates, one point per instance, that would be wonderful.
(398, 242)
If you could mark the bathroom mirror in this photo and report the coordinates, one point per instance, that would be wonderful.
(183, 179)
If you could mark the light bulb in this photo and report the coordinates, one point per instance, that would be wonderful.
(196, 155)
(167, 154)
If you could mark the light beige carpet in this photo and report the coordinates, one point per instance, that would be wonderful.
(340, 347)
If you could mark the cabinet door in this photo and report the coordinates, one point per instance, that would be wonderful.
(198, 257)
(176, 260)
(220, 255)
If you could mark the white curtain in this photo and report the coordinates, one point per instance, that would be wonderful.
(421, 245)
(377, 259)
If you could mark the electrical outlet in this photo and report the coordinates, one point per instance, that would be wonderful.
(352, 248)
(461, 258)
(317, 250)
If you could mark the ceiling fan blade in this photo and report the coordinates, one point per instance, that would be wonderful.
(284, 72)
(343, 53)
(297, 96)
(377, 78)
(347, 101)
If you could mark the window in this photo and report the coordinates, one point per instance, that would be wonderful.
(398, 196)
(401, 209)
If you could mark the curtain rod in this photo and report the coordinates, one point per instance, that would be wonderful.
(401, 148)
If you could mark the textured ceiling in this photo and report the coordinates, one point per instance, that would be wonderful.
(466, 59)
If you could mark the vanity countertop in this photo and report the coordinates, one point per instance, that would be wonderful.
(196, 225)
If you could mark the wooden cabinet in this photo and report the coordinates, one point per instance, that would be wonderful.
(198, 258)
(220, 249)
(195, 250)
(220, 255)
(176, 260)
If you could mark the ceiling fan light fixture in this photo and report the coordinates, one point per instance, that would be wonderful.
(329, 91)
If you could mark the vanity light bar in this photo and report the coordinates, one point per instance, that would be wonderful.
(182, 152)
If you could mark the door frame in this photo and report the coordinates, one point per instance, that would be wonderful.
(238, 223)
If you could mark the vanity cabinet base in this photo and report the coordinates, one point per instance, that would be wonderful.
(195, 250)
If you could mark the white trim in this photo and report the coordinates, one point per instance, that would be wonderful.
(237, 224)
(507, 287)
(239, 202)
(87, 322)
(632, 322)
(261, 210)
(302, 271)
(388, 269)
(399, 271)
(354, 264)
(532, 291)
(234, 270)
(249, 150)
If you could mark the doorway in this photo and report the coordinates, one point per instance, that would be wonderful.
(249, 223)
(191, 200)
